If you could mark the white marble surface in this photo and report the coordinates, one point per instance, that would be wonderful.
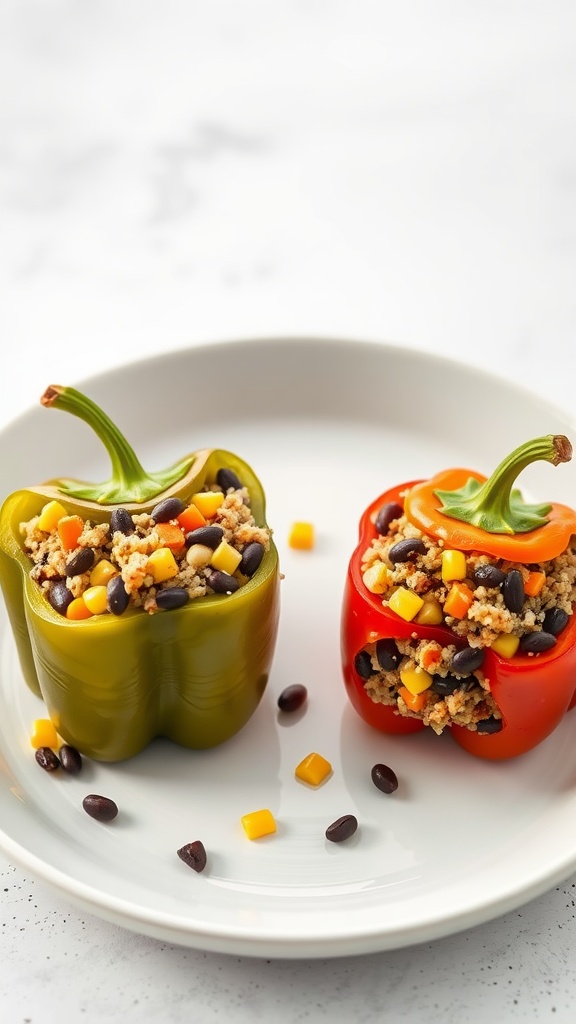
(177, 171)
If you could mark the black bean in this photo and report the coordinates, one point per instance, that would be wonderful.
(251, 558)
(386, 514)
(117, 596)
(59, 596)
(489, 725)
(121, 522)
(167, 509)
(445, 685)
(226, 478)
(81, 562)
(387, 654)
(555, 620)
(342, 828)
(384, 778)
(209, 536)
(70, 759)
(363, 665)
(486, 575)
(534, 643)
(47, 759)
(293, 697)
(467, 661)
(100, 807)
(172, 597)
(513, 591)
(407, 549)
(194, 855)
(222, 582)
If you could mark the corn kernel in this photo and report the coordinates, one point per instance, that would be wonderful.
(453, 565)
(102, 572)
(258, 823)
(162, 565)
(50, 516)
(313, 769)
(44, 734)
(301, 536)
(405, 603)
(376, 578)
(208, 502)
(505, 645)
(95, 599)
(430, 613)
(416, 680)
(226, 558)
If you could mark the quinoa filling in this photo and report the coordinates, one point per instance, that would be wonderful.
(161, 565)
(493, 603)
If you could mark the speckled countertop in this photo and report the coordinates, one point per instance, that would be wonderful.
(180, 171)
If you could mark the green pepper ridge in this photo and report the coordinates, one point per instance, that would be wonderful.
(129, 481)
(494, 506)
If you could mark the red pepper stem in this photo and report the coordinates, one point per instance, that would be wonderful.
(129, 481)
(494, 506)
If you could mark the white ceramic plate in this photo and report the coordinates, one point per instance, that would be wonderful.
(327, 425)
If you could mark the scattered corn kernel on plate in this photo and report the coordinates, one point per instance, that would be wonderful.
(459, 841)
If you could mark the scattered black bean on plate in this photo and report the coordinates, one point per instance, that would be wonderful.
(194, 855)
(47, 759)
(70, 759)
(384, 778)
(100, 807)
(342, 828)
(293, 697)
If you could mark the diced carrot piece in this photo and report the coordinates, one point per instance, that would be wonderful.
(190, 519)
(69, 530)
(534, 583)
(458, 601)
(78, 609)
(170, 535)
(413, 701)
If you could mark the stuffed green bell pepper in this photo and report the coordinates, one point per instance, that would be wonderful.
(144, 606)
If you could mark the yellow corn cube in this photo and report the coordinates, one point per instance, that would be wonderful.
(301, 536)
(162, 565)
(226, 558)
(208, 502)
(430, 613)
(313, 769)
(505, 645)
(95, 599)
(258, 823)
(376, 579)
(50, 516)
(453, 565)
(44, 734)
(416, 680)
(405, 603)
(102, 572)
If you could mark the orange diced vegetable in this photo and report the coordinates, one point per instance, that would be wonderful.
(458, 601)
(413, 701)
(190, 519)
(534, 583)
(313, 769)
(301, 536)
(69, 530)
(44, 734)
(170, 535)
(78, 609)
(258, 823)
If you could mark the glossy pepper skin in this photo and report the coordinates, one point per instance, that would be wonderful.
(111, 683)
(533, 693)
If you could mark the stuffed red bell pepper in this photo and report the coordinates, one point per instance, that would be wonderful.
(458, 608)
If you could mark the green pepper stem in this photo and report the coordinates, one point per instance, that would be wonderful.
(129, 481)
(494, 506)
